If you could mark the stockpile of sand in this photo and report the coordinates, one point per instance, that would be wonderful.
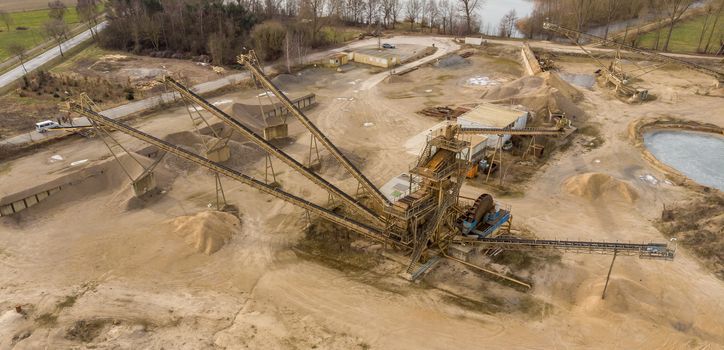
(286, 80)
(206, 231)
(593, 186)
(540, 93)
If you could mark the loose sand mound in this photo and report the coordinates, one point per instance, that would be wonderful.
(206, 231)
(541, 93)
(594, 186)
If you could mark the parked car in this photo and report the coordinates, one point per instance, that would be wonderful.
(388, 46)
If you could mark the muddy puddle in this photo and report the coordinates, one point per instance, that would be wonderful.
(699, 156)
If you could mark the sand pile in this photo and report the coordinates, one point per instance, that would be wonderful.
(541, 93)
(286, 80)
(594, 186)
(250, 115)
(185, 138)
(207, 231)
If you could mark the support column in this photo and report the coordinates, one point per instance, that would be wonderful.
(603, 295)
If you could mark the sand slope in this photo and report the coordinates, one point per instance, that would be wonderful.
(207, 231)
(593, 186)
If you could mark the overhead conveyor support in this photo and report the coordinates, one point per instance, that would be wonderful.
(371, 232)
(272, 150)
(643, 250)
(508, 131)
(250, 63)
(571, 34)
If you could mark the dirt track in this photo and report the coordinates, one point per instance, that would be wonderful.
(93, 253)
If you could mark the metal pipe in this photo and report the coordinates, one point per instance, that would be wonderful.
(486, 270)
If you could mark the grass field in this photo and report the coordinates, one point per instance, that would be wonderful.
(29, 5)
(33, 35)
(685, 36)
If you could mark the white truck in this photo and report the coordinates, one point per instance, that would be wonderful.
(46, 125)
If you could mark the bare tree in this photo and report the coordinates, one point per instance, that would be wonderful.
(57, 9)
(7, 19)
(56, 29)
(18, 50)
(433, 12)
(88, 12)
(413, 11)
(423, 14)
(709, 9)
(395, 11)
(446, 12)
(611, 6)
(312, 11)
(371, 10)
(469, 7)
(675, 9)
(716, 21)
(507, 23)
(386, 9)
(582, 12)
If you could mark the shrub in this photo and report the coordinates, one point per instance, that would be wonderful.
(268, 38)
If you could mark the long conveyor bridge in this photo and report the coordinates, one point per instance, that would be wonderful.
(642, 250)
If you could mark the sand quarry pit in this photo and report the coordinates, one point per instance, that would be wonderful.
(597, 186)
(90, 271)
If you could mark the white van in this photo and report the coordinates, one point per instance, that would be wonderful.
(46, 125)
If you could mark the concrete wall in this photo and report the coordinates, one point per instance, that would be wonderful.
(531, 64)
(474, 41)
(26, 202)
(302, 103)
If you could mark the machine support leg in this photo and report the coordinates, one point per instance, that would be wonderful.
(313, 151)
(270, 171)
(220, 196)
(603, 295)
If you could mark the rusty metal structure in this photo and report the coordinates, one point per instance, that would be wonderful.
(614, 74)
(424, 225)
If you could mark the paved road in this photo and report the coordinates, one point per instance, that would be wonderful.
(47, 56)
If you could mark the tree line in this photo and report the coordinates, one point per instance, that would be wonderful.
(583, 15)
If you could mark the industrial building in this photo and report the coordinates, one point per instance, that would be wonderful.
(375, 57)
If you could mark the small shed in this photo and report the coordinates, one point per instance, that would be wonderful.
(337, 59)
(491, 116)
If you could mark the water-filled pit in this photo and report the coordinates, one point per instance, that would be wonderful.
(698, 155)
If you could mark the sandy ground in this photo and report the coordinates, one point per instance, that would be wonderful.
(93, 267)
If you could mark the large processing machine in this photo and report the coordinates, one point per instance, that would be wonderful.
(423, 225)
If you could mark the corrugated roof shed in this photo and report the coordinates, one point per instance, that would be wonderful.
(492, 116)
